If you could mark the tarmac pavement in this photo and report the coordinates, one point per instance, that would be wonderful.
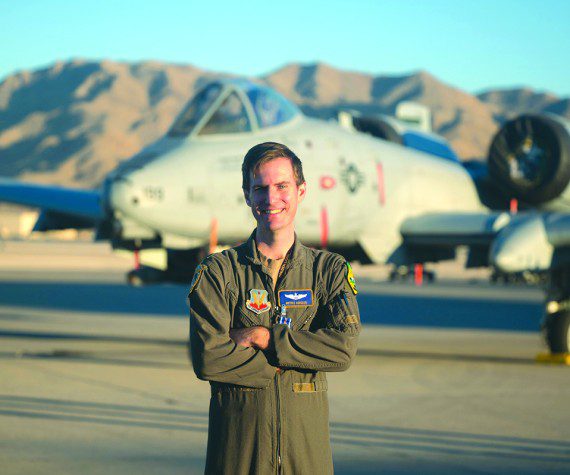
(95, 378)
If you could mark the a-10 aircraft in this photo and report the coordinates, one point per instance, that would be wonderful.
(378, 192)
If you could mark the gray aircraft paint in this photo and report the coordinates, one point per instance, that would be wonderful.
(200, 180)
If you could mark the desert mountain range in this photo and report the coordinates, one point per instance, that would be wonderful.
(73, 122)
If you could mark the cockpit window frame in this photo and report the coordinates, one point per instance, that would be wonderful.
(284, 102)
(229, 87)
(227, 90)
(209, 113)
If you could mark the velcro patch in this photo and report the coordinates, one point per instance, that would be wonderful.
(296, 298)
(350, 278)
(259, 301)
(304, 387)
(351, 319)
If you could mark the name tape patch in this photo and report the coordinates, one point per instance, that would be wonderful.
(296, 298)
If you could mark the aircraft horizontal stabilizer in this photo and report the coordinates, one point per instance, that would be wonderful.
(82, 205)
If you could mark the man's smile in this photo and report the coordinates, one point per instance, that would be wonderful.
(271, 211)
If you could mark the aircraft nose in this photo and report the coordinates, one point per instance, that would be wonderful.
(522, 245)
(122, 194)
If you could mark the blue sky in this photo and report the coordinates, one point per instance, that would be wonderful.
(473, 45)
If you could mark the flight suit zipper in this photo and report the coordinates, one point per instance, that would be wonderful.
(269, 280)
(278, 409)
(272, 292)
(277, 393)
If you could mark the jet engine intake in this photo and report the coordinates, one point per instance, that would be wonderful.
(393, 130)
(529, 158)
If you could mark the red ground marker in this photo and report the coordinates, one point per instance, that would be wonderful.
(418, 274)
(514, 206)
(137, 259)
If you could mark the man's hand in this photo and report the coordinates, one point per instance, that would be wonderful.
(256, 337)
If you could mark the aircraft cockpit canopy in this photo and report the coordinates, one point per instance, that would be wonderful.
(230, 107)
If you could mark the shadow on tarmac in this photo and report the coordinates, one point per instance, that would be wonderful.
(382, 437)
(170, 300)
(103, 413)
(450, 443)
(424, 355)
(94, 357)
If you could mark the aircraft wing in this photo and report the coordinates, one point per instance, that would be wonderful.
(61, 207)
(453, 229)
(435, 236)
(533, 241)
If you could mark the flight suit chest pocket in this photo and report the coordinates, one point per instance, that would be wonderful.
(344, 314)
(303, 316)
(244, 318)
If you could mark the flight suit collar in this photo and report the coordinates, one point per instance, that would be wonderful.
(299, 253)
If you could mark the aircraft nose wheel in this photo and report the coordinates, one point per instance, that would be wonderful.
(134, 278)
(556, 332)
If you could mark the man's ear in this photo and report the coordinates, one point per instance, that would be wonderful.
(302, 191)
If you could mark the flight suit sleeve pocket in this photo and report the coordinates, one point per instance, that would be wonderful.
(344, 316)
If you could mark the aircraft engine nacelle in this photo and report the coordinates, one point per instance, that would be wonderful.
(529, 158)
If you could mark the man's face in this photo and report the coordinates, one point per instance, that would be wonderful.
(274, 195)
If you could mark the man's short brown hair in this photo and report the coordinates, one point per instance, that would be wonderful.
(265, 152)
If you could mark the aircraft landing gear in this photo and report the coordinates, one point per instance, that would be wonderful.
(556, 327)
(145, 275)
(404, 273)
(179, 269)
(556, 322)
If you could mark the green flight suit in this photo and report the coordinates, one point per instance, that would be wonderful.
(263, 421)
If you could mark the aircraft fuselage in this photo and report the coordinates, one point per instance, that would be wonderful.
(359, 188)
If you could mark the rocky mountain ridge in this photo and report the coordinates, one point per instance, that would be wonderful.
(73, 122)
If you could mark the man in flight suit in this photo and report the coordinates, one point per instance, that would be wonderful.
(268, 318)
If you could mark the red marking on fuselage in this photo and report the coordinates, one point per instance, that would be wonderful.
(381, 190)
(514, 206)
(327, 182)
(324, 227)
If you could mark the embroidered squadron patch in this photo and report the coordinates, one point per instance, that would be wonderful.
(196, 278)
(258, 302)
(296, 298)
(350, 279)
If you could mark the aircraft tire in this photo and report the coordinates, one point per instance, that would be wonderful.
(134, 279)
(145, 275)
(534, 176)
(556, 332)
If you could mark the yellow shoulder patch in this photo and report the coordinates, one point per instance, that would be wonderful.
(196, 278)
(350, 278)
